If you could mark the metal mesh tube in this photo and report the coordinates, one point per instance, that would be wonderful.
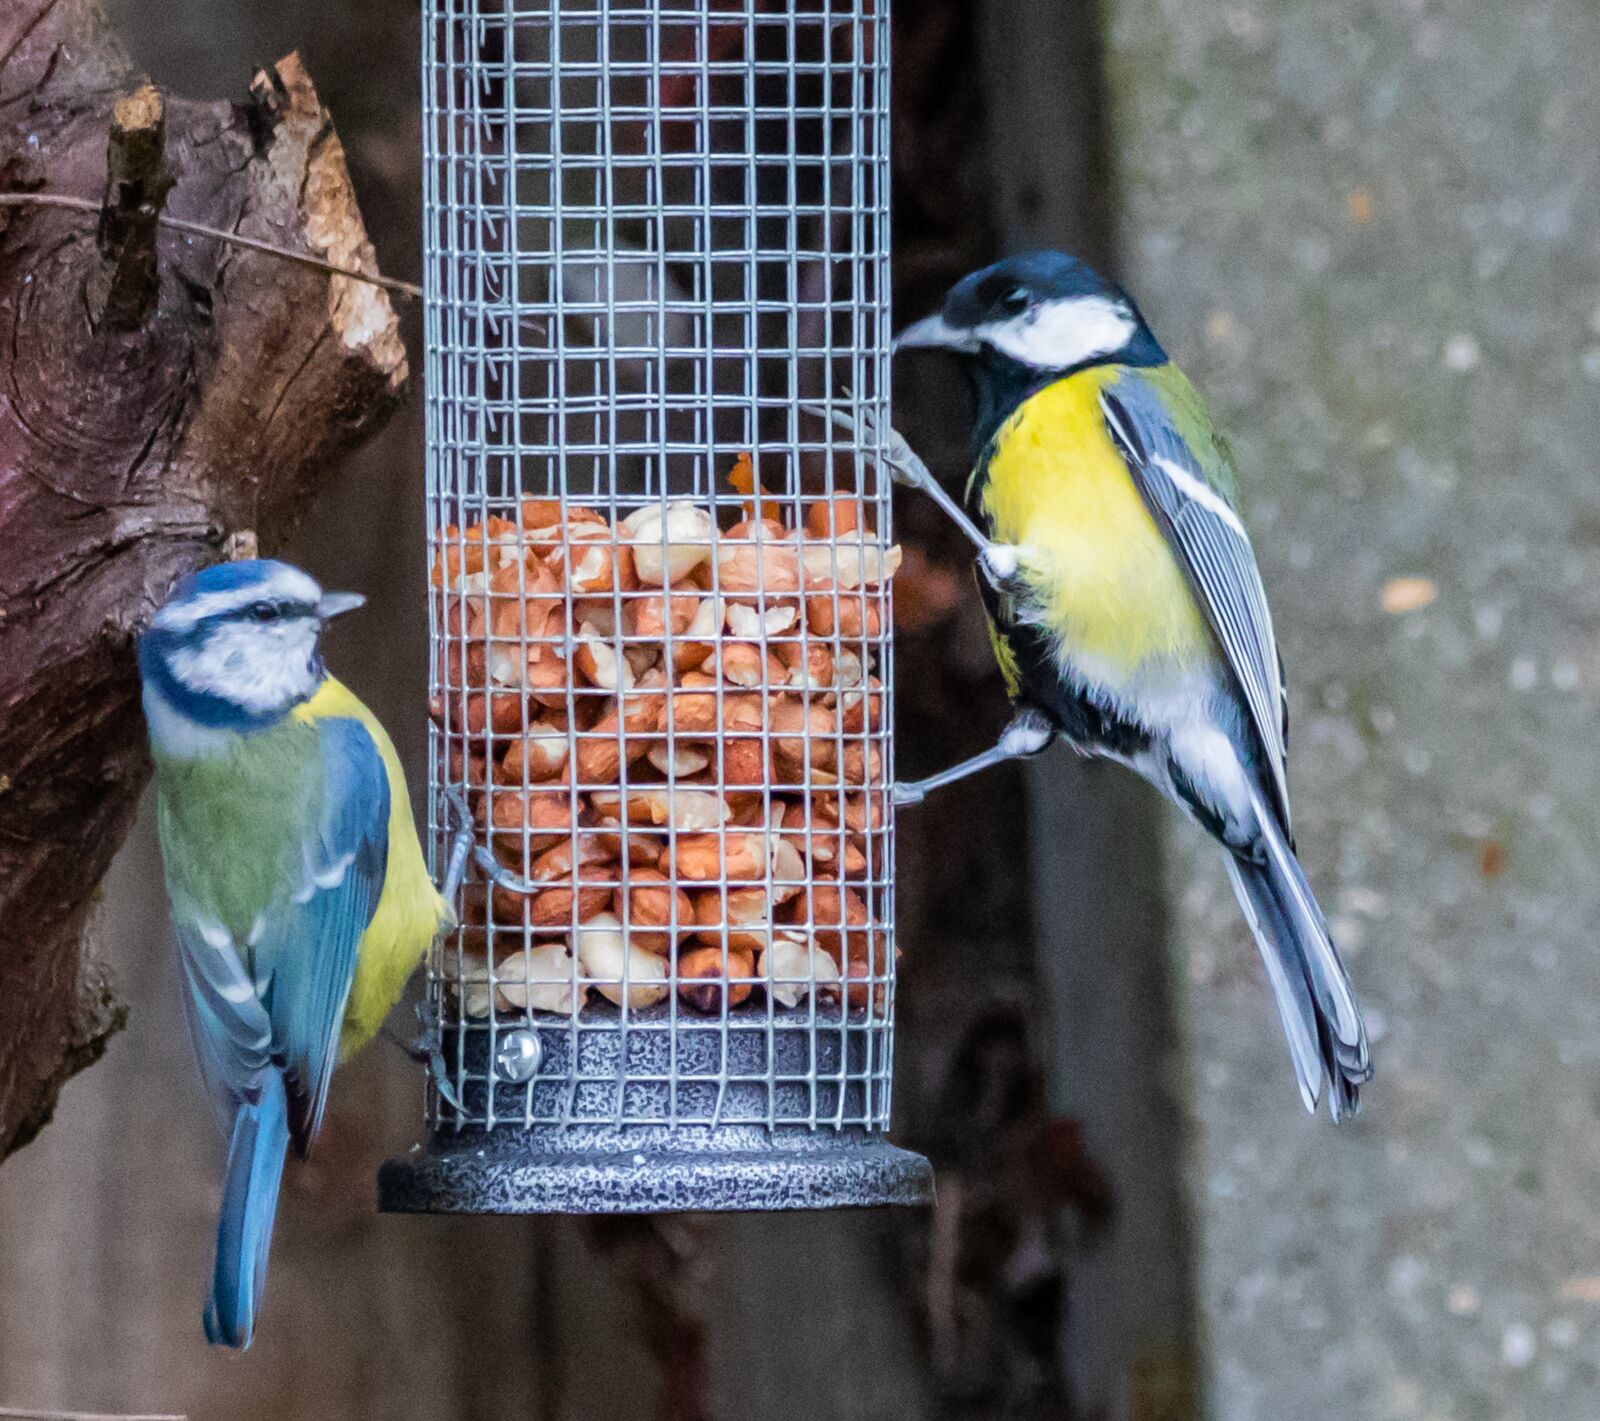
(660, 608)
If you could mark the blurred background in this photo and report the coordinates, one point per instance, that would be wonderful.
(1371, 233)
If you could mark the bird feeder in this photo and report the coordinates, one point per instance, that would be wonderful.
(657, 267)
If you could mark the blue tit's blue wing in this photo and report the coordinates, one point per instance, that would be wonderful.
(1185, 498)
(304, 959)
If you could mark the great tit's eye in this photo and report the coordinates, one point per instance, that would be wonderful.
(1013, 299)
(263, 611)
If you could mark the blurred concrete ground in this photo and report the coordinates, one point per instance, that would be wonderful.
(1371, 231)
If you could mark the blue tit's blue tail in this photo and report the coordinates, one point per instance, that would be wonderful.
(1316, 1002)
(249, 1205)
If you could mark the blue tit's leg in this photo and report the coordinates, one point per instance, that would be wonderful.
(1028, 734)
(461, 843)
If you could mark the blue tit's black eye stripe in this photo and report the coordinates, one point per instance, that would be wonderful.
(262, 612)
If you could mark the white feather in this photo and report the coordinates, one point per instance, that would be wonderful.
(177, 737)
(281, 583)
(1058, 334)
(260, 667)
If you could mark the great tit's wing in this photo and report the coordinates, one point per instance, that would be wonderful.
(304, 959)
(1171, 467)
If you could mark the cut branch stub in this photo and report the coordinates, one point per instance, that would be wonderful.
(162, 399)
(124, 284)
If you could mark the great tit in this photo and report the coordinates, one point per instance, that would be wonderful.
(1125, 606)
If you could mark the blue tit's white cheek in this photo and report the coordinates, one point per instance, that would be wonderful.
(1057, 335)
(259, 667)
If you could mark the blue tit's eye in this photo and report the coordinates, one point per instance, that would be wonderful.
(263, 611)
(1013, 300)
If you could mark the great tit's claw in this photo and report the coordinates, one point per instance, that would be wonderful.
(1001, 565)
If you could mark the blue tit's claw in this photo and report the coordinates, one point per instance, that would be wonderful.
(441, 1082)
(426, 1049)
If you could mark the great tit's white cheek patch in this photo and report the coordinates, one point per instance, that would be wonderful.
(1060, 334)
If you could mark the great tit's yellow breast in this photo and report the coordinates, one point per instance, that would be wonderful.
(1102, 576)
(409, 910)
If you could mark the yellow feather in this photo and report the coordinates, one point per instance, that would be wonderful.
(410, 910)
(1101, 574)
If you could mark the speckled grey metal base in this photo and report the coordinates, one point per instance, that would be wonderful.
(651, 1169)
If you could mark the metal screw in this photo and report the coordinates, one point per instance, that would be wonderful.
(517, 1057)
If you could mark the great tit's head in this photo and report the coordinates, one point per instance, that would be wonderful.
(236, 644)
(1038, 314)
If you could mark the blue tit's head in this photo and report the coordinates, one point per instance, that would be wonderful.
(235, 646)
(1029, 320)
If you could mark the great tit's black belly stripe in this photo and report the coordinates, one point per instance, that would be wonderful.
(1082, 720)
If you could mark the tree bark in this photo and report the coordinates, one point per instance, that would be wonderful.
(164, 400)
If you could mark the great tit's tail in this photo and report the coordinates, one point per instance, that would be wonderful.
(1316, 1002)
(249, 1205)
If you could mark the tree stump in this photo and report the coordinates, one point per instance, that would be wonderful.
(165, 400)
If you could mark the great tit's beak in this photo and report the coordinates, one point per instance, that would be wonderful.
(334, 604)
(933, 333)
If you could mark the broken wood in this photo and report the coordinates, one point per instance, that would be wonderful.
(163, 397)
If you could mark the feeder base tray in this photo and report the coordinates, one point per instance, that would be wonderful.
(591, 1169)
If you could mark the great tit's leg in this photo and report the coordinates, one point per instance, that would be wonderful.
(1028, 734)
(906, 467)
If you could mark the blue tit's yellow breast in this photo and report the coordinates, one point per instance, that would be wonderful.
(409, 910)
(1103, 579)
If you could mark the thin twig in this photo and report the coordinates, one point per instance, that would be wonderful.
(25, 1413)
(217, 234)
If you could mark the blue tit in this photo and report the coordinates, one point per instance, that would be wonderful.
(1125, 606)
(300, 898)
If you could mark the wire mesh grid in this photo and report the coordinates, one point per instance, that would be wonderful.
(656, 260)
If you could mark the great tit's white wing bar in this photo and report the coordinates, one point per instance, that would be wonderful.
(306, 955)
(1215, 551)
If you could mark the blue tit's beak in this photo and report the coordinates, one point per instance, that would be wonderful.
(334, 604)
(934, 333)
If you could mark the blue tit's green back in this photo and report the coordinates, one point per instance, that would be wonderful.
(234, 824)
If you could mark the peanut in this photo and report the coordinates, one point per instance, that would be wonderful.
(538, 756)
(647, 900)
(700, 858)
(535, 977)
(799, 726)
(668, 544)
(742, 915)
(834, 517)
(550, 907)
(705, 975)
(526, 823)
(606, 954)
(830, 614)
(792, 965)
